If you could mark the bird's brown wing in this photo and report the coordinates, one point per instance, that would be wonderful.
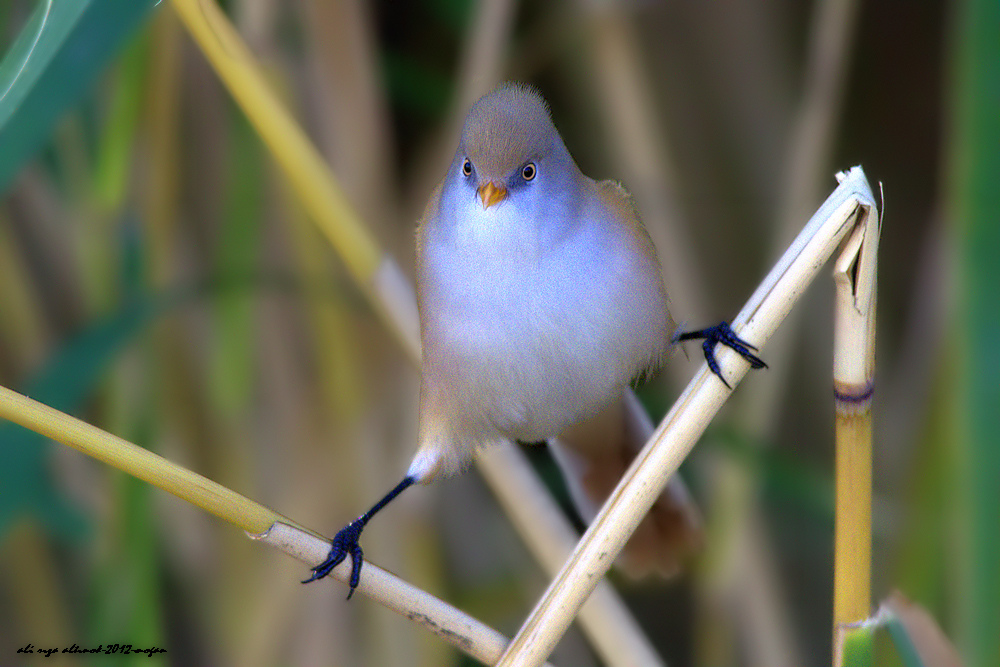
(595, 454)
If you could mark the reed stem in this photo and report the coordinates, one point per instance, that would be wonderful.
(853, 376)
(850, 206)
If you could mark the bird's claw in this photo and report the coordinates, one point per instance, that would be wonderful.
(344, 544)
(722, 333)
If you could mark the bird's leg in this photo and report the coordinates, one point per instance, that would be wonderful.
(722, 333)
(345, 543)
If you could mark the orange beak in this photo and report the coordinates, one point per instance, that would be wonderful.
(491, 194)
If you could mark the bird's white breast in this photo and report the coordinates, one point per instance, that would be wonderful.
(529, 325)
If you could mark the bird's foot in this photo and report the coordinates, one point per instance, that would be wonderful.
(344, 544)
(722, 333)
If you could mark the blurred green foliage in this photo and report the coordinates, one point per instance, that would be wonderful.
(55, 59)
(975, 206)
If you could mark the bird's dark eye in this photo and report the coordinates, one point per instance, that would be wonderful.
(528, 171)
(467, 167)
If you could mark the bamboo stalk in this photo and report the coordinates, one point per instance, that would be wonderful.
(853, 376)
(850, 205)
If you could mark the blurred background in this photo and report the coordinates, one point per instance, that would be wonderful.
(159, 279)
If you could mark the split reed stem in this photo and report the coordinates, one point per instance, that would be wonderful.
(854, 276)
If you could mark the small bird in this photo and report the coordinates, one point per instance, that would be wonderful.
(540, 299)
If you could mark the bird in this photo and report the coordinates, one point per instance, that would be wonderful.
(541, 299)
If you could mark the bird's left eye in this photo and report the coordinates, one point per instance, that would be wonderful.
(528, 171)
(467, 167)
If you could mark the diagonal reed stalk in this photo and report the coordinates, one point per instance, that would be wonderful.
(850, 206)
(261, 523)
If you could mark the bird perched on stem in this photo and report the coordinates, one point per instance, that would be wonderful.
(540, 300)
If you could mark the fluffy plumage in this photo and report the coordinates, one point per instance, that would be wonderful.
(540, 298)
(536, 311)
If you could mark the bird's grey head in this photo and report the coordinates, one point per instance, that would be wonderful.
(507, 141)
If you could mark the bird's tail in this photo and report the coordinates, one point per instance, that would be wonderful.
(593, 456)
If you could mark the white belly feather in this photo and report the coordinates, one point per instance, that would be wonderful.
(521, 342)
